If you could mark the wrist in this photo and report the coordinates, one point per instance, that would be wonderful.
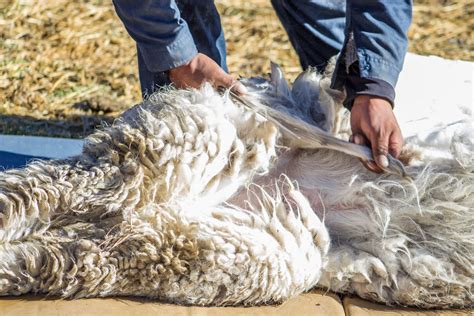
(370, 101)
(190, 65)
(356, 86)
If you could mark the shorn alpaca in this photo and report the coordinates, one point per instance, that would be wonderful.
(193, 198)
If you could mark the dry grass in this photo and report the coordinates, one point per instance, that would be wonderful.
(65, 65)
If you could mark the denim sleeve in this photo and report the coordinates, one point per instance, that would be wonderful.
(356, 85)
(162, 36)
(376, 42)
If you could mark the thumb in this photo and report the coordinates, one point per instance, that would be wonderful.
(227, 81)
(396, 143)
(380, 150)
(360, 139)
(239, 88)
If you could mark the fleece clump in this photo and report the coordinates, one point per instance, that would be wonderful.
(193, 198)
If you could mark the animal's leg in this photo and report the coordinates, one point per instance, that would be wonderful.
(297, 133)
(408, 244)
(52, 263)
(32, 197)
(271, 252)
(225, 256)
(399, 275)
(292, 112)
(84, 259)
(17, 274)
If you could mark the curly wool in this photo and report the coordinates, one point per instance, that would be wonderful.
(142, 212)
(194, 199)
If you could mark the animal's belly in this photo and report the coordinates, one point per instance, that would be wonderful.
(315, 188)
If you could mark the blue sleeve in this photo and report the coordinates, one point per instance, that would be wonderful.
(162, 36)
(356, 85)
(376, 41)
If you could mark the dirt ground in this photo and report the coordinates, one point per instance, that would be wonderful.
(69, 66)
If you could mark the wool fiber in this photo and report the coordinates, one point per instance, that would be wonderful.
(193, 198)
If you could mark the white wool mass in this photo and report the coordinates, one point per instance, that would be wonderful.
(194, 198)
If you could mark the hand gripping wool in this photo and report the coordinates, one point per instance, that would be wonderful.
(193, 198)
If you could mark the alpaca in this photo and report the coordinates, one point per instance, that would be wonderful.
(193, 198)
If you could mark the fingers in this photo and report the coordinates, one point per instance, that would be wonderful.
(379, 143)
(239, 88)
(202, 69)
(380, 149)
(223, 80)
(359, 139)
(229, 82)
(373, 118)
(372, 166)
(395, 143)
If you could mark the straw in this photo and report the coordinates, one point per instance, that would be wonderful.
(67, 62)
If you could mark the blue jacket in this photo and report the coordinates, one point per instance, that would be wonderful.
(373, 51)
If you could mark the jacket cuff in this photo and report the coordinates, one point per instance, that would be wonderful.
(356, 85)
(159, 58)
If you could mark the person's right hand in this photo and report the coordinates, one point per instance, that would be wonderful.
(374, 124)
(202, 69)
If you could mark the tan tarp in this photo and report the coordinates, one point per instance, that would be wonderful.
(316, 303)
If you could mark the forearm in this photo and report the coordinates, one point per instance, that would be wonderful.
(356, 85)
(162, 36)
(375, 47)
(379, 30)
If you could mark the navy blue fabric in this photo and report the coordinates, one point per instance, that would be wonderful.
(315, 28)
(363, 86)
(162, 35)
(169, 33)
(10, 160)
(320, 29)
(380, 37)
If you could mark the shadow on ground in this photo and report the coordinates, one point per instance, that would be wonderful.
(75, 126)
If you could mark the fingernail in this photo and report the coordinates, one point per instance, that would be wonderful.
(358, 140)
(382, 161)
(240, 88)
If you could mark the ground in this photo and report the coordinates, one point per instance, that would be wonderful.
(67, 66)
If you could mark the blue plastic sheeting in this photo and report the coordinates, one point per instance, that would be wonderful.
(41, 146)
(16, 151)
(11, 160)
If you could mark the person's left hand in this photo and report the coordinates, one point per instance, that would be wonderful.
(374, 124)
(202, 69)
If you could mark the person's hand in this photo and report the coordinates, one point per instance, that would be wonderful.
(202, 69)
(374, 124)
